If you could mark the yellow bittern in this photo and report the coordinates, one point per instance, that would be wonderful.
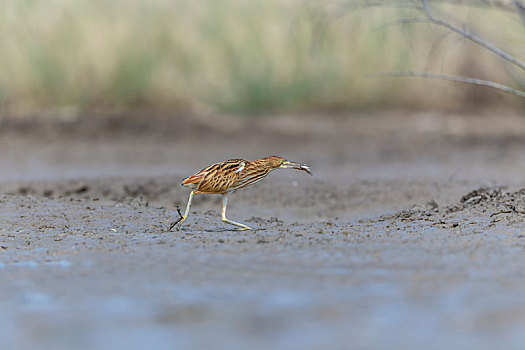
(226, 177)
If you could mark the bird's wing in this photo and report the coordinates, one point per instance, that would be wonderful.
(235, 166)
(219, 177)
(249, 175)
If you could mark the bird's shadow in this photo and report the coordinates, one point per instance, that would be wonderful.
(253, 230)
(173, 224)
(219, 230)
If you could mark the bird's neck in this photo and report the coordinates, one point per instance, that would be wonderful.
(262, 163)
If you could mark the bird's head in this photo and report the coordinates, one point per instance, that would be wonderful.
(280, 162)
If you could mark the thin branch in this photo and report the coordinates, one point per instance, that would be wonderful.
(455, 78)
(472, 37)
(518, 79)
(432, 52)
(521, 10)
(357, 5)
(413, 4)
(344, 8)
(401, 21)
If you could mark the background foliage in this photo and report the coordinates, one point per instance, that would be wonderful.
(244, 57)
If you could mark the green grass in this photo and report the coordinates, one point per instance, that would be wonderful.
(238, 56)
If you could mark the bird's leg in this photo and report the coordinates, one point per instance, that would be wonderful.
(183, 217)
(224, 219)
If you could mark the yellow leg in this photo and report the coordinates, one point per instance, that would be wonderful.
(224, 219)
(183, 218)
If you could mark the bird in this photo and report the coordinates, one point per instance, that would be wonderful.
(226, 177)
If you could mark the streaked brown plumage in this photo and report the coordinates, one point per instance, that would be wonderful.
(226, 177)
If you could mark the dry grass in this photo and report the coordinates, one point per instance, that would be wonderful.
(239, 56)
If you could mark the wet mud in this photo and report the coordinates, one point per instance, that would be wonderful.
(410, 235)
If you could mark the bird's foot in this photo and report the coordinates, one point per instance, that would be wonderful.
(243, 228)
(179, 221)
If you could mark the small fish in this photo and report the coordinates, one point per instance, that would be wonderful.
(304, 167)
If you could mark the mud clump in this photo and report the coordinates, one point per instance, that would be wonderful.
(481, 194)
(492, 201)
(483, 207)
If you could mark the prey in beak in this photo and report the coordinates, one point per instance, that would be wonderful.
(298, 166)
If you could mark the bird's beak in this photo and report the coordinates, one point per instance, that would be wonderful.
(298, 166)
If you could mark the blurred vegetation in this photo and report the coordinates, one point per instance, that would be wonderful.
(240, 56)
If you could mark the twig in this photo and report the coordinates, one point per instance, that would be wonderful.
(413, 4)
(521, 10)
(501, 212)
(474, 38)
(455, 78)
(401, 21)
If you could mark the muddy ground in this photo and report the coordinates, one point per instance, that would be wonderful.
(411, 234)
